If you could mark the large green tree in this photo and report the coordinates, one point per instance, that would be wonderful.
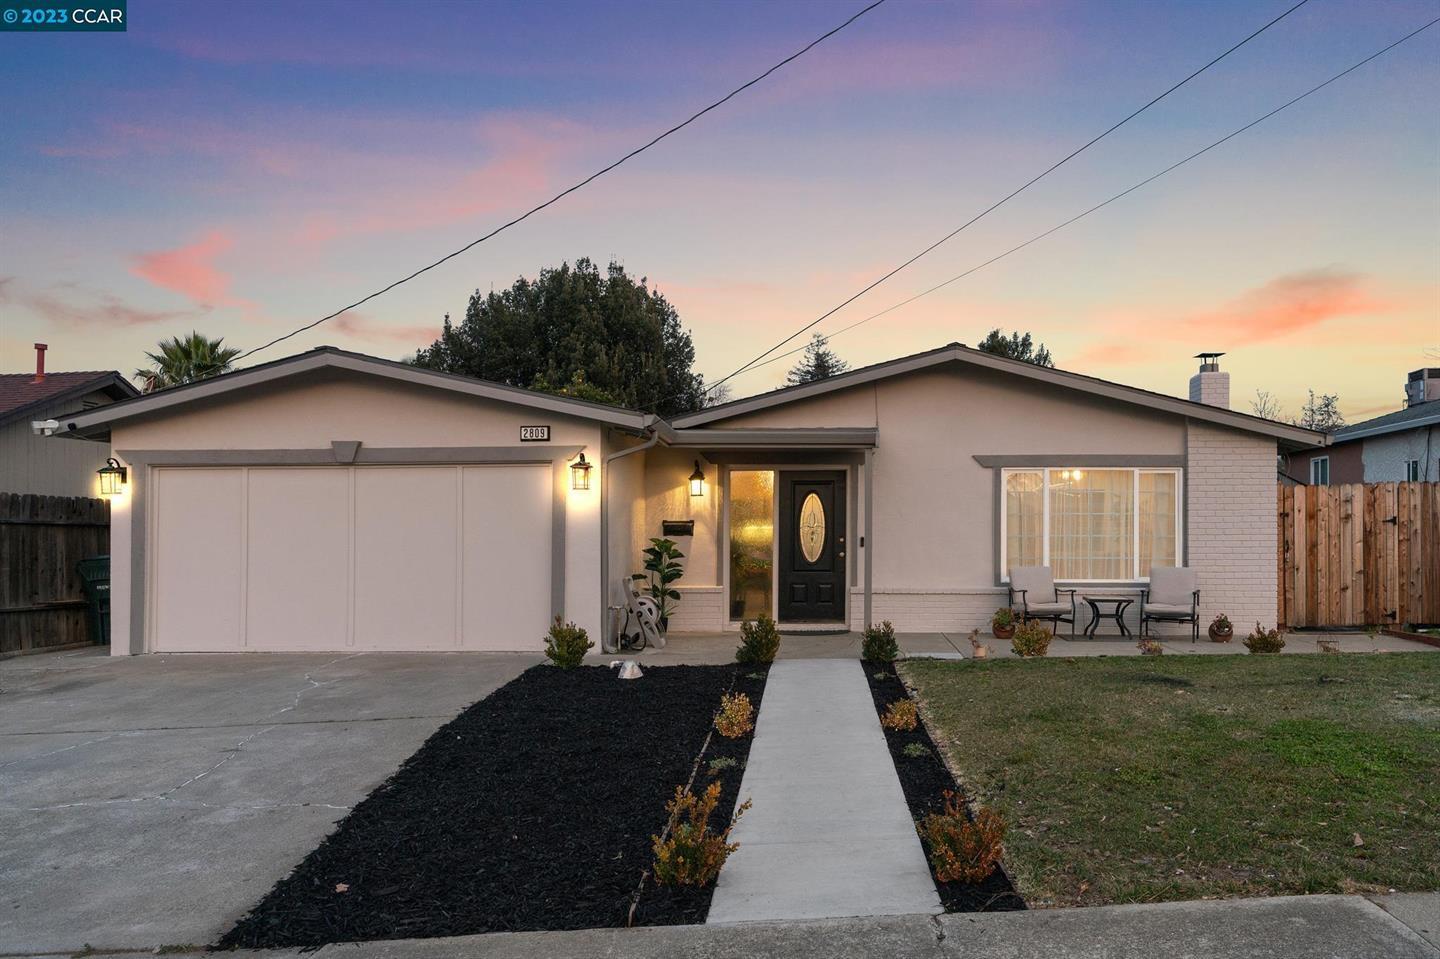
(1016, 346)
(576, 331)
(185, 360)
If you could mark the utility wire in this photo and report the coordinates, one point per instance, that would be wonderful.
(594, 176)
(1001, 202)
(1080, 216)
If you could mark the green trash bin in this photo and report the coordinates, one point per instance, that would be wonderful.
(95, 578)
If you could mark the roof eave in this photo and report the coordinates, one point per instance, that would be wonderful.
(954, 352)
(93, 423)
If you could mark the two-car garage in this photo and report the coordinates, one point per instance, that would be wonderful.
(350, 557)
(333, 501)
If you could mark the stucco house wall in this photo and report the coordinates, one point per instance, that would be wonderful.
(309, 413)
(30, 463)
(1347, 464)
(1385, 456)
(935, 531)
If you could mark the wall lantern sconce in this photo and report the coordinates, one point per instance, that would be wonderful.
(1076, 475)
(697, 481)
(112, 478)
(580, 473)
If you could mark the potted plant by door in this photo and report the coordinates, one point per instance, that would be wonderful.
(662, 569)
(977, 648)
(1220, 630)
(1002, 624)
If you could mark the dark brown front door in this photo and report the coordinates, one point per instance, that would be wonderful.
(812, 547)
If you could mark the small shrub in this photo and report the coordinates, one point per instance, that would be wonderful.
(961, 850)
(721, 763)
(567, 644)
(692, 853)
(915, 751)
(880, 645)
(1150, 647)
(1031, 639)
(736, 716)
(1004, 618)
(1265, 641)
(759, 641)
(901, 716)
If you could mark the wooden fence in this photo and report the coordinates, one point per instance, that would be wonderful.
(42, 604)
(1359, 554)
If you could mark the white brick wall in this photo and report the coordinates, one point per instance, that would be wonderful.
(700, 610)
(1231, 511)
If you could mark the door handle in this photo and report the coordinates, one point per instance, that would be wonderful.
(842, 554)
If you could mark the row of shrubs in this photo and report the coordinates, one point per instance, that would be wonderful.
(690, 852)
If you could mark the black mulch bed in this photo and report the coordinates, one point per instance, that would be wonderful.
(924, 780)
(531, 810)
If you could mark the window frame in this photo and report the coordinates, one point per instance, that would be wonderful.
(1316, 461)
(1044, 471)
(1412, 471)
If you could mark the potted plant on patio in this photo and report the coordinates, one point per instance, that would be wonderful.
(662, 569)
(1220, 630)
(1002, 624)
(978, 649)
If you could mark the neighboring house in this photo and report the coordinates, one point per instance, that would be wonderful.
(31, 463)
(334, 501)
(1394, 448)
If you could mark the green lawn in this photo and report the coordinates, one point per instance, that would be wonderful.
(1144, 779)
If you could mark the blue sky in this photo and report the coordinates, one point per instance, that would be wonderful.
(245, 168)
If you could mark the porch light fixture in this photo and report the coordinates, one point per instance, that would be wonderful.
(112, 478)
(697, 481)
(580, 473)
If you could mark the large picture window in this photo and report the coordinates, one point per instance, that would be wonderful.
(1090, 525)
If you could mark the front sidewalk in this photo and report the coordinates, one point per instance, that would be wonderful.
(1335, 927)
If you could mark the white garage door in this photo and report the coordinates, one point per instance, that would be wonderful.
(363, 558)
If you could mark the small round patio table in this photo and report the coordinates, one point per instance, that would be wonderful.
(1116, 613)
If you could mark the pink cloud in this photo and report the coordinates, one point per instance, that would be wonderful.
(190, 270)
(362, 327)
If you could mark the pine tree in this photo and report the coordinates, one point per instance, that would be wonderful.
(818, 363)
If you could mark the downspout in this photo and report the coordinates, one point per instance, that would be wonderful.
(654, 428)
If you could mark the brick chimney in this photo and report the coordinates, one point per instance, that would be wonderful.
(40, 349)
(1210, 386)
(1422, 386)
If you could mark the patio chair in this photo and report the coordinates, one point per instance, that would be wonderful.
(641, 625)
(1040, 597)
(1172, 597)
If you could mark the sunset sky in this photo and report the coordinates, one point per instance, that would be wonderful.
(244, 168)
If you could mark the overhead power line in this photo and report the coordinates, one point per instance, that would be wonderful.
(1099, 206)
(1008, 197)
(566, 192)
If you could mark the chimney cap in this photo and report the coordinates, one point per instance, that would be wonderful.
(1208, 357)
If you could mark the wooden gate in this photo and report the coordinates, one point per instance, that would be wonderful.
(42, 604)
(1359, 554)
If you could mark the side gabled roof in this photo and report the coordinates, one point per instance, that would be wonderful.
(1411, 418)
(21, 394)
(96, 424)
(1293, 436)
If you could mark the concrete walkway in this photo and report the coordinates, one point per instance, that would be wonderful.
(1291, 927)
(829, 834)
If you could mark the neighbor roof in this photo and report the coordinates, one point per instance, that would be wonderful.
(96, 423)
(23, 393)
(1293, 436)
(1411, 418)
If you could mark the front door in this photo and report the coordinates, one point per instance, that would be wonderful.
(812, 547)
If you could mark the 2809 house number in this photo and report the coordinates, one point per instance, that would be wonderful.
(534, 434)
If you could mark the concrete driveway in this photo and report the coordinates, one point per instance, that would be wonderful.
(148, 801)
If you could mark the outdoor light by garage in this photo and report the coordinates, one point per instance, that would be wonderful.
(580, 473)
(697, 481)
(112, 478)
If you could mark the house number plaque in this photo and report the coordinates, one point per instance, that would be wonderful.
(534, 434)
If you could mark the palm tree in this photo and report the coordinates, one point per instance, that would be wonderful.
(186, 360)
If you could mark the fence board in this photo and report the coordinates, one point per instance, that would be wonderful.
(1358, 554)
(41, 540)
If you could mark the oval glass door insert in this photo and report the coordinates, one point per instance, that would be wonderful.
(812, 528)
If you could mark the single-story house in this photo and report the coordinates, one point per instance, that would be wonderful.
(31, 463)
(336, 501)
(1396, 447)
